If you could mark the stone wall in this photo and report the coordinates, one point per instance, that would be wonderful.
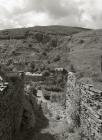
(85, 101)
(91, 111)
(13, 106)
(70, 88)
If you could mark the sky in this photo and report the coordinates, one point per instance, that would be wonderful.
(27, 13)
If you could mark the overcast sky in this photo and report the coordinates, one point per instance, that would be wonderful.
(24, 13)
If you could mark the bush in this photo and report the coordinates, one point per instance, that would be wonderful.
(80, 75)
(81, 41)
(30, 45)
(53, 88)
(71, 129)
(72, 68)
(46, 38)
(54, 42)
(39, 37)
(34, 91)
(44, 54)
(57, 58)
(46, 95)
(46, 73)
(97, 77)
(32, 67)
(76, 119)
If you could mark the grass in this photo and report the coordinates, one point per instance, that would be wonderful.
(82, 49)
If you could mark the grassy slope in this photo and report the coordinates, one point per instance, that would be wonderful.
(83, 51)
(25, 46)
(77, 46)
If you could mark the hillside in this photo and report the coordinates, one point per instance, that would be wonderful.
(39, 47)
(32, 44)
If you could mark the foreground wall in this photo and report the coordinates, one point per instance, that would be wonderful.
(16, 109)
(91, 112)
(11, 108)
(86, 102)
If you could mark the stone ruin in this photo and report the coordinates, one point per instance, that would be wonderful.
(89, 107)
(91, 111)
(15, 106)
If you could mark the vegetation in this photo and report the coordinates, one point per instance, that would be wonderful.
(39, 37)
(57, 58)
(53, 46)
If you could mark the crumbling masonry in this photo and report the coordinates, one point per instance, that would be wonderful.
(13, 104)
(82, 99)
(90, 107)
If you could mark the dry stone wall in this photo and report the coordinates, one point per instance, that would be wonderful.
(91, 111)
(87, 102)
(11, 109)
(69, 96)
(15, 106)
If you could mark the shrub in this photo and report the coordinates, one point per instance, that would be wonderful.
(97, 77)
(46, 38)
(30, 45)
(54, 42)
(34, 91)
(46, 73)
(72, 68)
(81, 41)
(76, 118)
(46, 95)
(39, 37)
(57, 58)
(32, 67)
(80, 74)
(71, 129)
(44, 53)
(53, 88)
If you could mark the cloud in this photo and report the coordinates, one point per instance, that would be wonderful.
(54, 8)
(20, 13)
(91, 13)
